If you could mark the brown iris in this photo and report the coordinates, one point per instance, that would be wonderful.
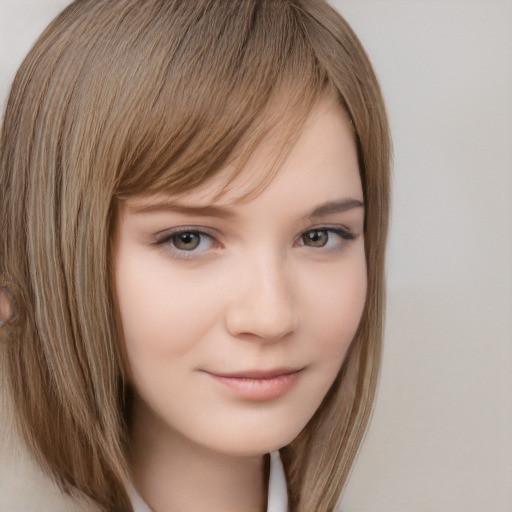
(187, 241)
(315, 238)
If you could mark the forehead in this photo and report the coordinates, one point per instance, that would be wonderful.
(326, 141)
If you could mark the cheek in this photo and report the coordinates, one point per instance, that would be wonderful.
(162, 314)
(336, 308)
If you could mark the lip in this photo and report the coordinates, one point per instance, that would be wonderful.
(259, 385)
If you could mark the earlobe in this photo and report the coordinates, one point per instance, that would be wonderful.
(8, 310)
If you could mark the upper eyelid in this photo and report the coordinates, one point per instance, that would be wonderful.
(213, 232)
(327, 227)
(333, 228)
(166, 233)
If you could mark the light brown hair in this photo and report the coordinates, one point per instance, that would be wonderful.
(120, 98)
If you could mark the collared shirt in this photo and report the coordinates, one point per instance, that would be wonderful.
(277, 493)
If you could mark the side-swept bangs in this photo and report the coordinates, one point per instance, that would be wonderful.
(171, 92)
(126, 98)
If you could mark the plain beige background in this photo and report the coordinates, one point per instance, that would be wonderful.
(441, 436)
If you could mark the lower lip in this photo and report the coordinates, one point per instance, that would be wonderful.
(261, 388)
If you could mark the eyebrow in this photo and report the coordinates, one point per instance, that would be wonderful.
(329, 208)
(332, 207)
(201, 211)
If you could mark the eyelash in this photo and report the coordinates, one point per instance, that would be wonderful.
(167, 238)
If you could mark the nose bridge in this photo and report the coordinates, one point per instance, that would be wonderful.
(264, 304)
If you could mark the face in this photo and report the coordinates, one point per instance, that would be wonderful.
(237, 314)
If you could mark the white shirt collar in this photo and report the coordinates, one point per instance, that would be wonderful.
(277, 493)
(277, 490)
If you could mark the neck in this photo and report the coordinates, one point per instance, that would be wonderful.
(172, 472)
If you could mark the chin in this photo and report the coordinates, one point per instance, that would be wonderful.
(258, 440)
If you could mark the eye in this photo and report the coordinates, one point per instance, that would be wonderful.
(325, 237)
(316, 238)
(184, 242)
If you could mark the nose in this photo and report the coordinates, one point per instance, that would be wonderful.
(263, 305)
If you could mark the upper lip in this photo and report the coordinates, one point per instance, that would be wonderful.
(256, 374)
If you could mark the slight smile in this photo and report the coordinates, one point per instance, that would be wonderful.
(259, 385)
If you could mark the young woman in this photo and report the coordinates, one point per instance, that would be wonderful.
(194, 212)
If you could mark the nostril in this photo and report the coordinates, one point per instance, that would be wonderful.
(7, 306)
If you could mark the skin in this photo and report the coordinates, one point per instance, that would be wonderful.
(266, 288)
